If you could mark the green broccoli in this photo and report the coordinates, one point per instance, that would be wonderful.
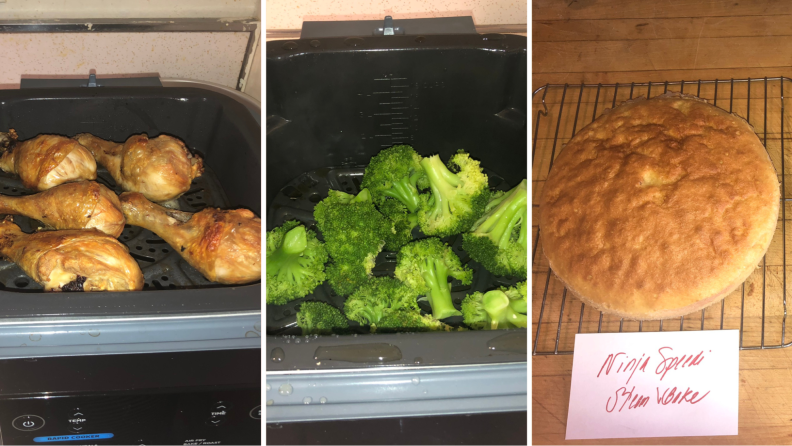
(403, 224)
(408, 321)
(424, 265)
(295, 263)
(518, 297)
(499, 239)
(354, 233)
(320, 318)
(497, 309)
(457, 200)
(377, 297)
(396, 173)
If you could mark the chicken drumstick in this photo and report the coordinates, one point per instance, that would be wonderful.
(225, 246)
(71, 260)
(81, 205)
(160, 168)
(46, 160)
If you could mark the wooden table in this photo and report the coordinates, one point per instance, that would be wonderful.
(610, 41)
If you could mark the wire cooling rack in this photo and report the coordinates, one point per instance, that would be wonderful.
(758, 308)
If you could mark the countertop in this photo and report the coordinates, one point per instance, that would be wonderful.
(610, 41)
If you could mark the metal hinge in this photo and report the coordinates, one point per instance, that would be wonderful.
(388, 29)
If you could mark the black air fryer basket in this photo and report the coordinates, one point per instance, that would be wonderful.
(216, 127)
(333, 103)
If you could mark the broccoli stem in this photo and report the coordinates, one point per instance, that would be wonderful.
(285, 261)
(442, 182)
(523, 240)
(500, 223)
(496, 304)
(406, 192)
(517, 319)
(435, 274)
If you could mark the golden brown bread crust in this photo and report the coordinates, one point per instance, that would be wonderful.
(659, 208)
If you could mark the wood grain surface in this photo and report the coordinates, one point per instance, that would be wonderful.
(629, 42)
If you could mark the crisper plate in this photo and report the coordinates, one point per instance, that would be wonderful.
(758, 308)
(296, 201)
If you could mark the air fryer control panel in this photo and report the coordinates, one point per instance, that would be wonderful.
(205, 417)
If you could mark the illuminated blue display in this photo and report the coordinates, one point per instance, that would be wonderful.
(71, 437)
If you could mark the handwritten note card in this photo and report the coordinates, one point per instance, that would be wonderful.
(664, 384)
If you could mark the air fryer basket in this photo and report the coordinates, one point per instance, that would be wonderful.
(335, 103)
(222, 131)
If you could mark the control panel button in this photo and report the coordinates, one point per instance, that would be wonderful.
(76, 420)
(215, 421)
(255, 413)
(218, 412)
(28, 423)
(221, 406)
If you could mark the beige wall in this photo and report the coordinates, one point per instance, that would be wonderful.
(289, 14)
(84, 9)
(214, 57)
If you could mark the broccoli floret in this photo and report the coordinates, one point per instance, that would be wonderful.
(377, 297)
(457, 200)
(424, 265)
(499, 239)
(396, 173)
(354, 233)
(518, 297)
(403, 224)
(408, 321)
(295, 263)
(320, 318)
(497, 309)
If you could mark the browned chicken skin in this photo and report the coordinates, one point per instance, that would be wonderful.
(71, 260)
(160, 168)
(46, 160)
(81, 205)
(225, 246)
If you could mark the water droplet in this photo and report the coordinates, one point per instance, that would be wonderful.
(493, 37)
(416, 381)
(354, 335)
(297, 341)
(288, 341)
(418, 360)
(322, 400)
(269, 387)
(425, 392)
(420, 39)
(285, 389)
(318, 363)
(307, 341)
(270, 402)
(307, 400)
(315, 43)
(354, 41)
(35, 337)
(277, 355)
(288, 46)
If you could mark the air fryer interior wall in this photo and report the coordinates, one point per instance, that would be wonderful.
(221, 130)
(337, 102)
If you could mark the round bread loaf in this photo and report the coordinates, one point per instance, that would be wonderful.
(659, 208)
